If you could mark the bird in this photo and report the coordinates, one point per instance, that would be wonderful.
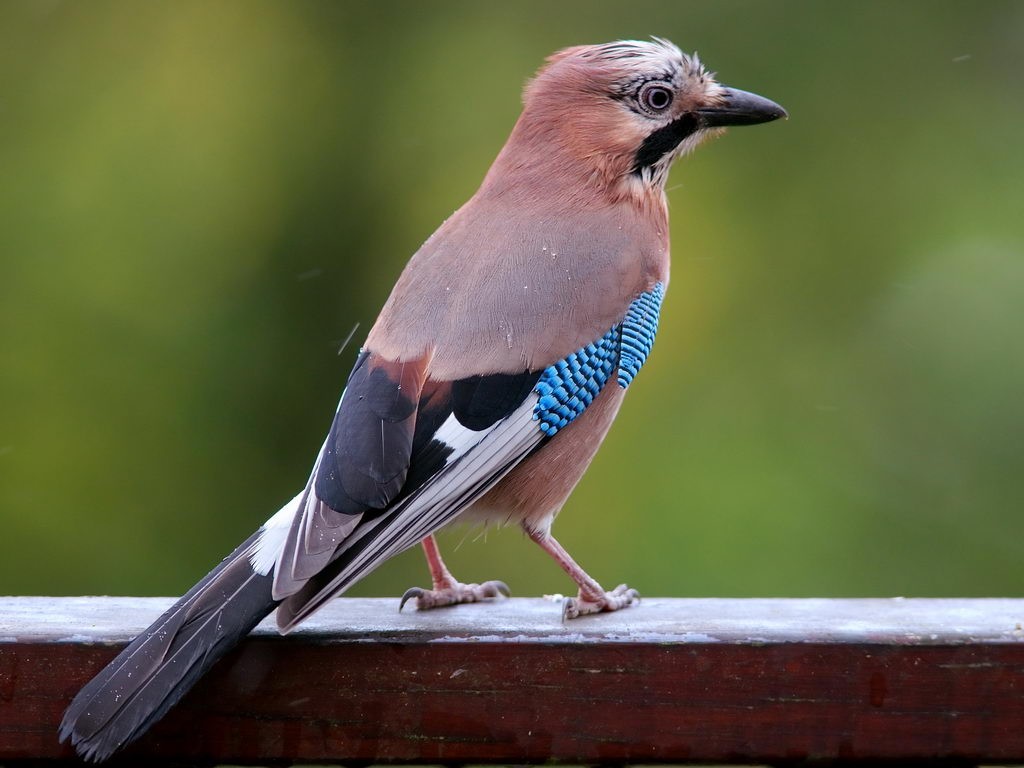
(486, 384)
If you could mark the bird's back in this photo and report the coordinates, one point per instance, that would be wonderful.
(504, 288)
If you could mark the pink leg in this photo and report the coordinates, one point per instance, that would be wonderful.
(447, 590)
(592, 598)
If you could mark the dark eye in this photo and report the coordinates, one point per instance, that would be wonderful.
(655, 98)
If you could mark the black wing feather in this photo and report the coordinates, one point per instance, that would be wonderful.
(481, 401)
(368, 449)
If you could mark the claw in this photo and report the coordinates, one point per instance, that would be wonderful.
(410, 593)
(500, 587)
(569, 609)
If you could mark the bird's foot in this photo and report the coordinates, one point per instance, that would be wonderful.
(581, 605)
(452, 593)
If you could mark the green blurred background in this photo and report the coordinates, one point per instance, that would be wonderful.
(198, 200)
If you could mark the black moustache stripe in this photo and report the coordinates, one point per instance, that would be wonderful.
(664, 140)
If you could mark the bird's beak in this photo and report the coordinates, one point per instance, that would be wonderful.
(740, 108)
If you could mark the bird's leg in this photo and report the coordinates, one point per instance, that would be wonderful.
(447, 589)
(591, 598)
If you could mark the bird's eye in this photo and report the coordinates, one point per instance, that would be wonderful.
(655, 98)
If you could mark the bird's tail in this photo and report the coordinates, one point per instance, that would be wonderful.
(149, 676)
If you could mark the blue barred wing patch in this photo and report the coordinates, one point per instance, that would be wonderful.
(638, 330)
(566, 388)
(570, 385)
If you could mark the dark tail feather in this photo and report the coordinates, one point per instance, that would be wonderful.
(160, 665)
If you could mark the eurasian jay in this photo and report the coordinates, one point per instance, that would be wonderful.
(486, 384)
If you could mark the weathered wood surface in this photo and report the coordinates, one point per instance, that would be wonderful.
(742, 681)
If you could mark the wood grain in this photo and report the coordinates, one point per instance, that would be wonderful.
(736, 681)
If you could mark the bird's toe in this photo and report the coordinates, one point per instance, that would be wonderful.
(454, 593)
(582, 605)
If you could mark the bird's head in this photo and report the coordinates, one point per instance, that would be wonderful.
(624, 111)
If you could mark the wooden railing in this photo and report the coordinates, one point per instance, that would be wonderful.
(713, 681)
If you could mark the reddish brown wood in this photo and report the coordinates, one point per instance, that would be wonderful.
(673, 680)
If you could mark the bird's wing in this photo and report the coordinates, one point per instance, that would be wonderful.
(406, 454)
(466, 434)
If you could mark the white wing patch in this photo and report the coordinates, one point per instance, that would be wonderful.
(459, 438)
(267, 549)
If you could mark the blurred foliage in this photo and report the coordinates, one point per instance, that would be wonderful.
(199, 200)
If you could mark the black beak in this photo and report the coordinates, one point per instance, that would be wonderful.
(740, 108)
